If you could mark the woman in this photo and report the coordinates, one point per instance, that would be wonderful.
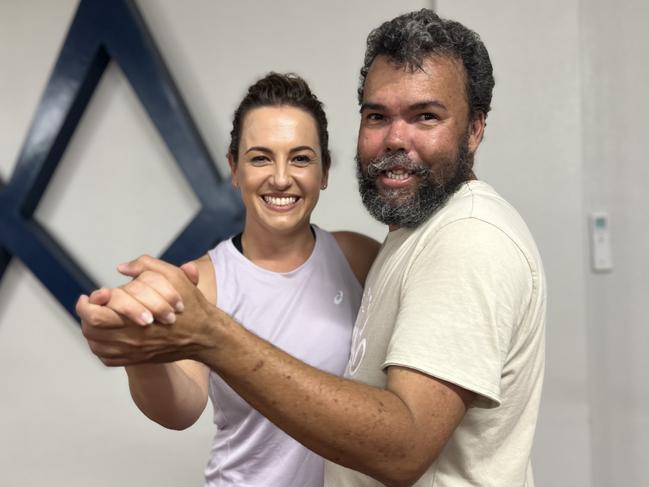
(290, 282)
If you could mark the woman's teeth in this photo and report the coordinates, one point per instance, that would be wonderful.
(280, 201)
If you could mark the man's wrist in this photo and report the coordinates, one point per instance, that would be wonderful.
(212, 333)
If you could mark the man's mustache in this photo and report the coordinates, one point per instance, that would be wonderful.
(394, 160)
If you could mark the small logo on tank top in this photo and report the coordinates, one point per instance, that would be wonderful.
(338, 298)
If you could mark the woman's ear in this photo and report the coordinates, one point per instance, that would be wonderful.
(325, 179)
(233, 170)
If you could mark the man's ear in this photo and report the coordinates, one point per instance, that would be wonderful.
(233, 170)
(476, 131)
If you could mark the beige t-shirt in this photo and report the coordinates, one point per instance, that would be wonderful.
(461, 298)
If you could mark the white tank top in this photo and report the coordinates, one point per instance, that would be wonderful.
(309, 313)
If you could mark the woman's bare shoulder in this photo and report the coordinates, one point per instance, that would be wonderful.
(206, 277)
(360, 251)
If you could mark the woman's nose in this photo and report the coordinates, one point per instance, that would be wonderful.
(281, 178)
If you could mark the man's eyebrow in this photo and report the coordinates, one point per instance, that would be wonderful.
(427, 104)
(415, 106)
(372, 106)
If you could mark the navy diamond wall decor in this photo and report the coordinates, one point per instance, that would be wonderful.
(100, 31)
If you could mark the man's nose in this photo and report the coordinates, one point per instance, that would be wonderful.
(396, 138)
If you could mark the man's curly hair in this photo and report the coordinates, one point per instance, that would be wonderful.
(408, 39)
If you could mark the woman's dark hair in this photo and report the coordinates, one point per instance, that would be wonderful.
(276, 89)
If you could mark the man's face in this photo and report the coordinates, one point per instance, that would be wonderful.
(415, 142)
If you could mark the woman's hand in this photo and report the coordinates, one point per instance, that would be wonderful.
(115, 321)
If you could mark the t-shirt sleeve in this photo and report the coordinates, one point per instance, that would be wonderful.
(463, 295)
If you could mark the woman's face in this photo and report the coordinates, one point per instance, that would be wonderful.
(279, 170)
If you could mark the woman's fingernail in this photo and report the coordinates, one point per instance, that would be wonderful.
(169, 318)
(147, 318)
(180, 307)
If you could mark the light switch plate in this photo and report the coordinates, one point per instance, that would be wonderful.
(600, 242)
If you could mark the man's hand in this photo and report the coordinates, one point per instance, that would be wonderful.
(115, 321)
(147, 298)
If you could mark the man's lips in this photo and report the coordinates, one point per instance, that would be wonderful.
(395, 178)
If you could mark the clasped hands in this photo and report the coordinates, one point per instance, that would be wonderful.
(160, 316)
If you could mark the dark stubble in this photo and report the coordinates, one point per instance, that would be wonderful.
(438, 180)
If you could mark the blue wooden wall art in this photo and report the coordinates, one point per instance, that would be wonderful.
(100, 31)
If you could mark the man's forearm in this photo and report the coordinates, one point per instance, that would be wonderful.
(358, 426)
(392, 434)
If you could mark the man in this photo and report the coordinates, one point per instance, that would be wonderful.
(445, 373)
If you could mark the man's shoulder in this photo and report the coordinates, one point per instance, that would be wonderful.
(476, 199)
(477, 203)
(476, 217)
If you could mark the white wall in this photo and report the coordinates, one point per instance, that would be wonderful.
(65, 420)
(615, 70)
(565, 137)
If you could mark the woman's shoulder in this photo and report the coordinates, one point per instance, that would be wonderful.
(206, 277)
(360, 251)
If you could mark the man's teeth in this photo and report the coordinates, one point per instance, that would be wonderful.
(277, 201)
(399, 175)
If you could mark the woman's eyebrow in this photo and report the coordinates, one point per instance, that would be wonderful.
(303, 147)
(259, 148)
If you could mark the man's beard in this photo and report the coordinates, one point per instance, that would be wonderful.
(401, 207)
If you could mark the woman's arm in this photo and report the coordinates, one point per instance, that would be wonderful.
(172, 394)
(359, 250)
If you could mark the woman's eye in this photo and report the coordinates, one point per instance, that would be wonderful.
(259, 160)
(301, 160)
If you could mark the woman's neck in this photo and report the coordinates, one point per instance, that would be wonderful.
(277, 252)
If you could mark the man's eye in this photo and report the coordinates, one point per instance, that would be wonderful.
(428, 116)
(374, 117)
